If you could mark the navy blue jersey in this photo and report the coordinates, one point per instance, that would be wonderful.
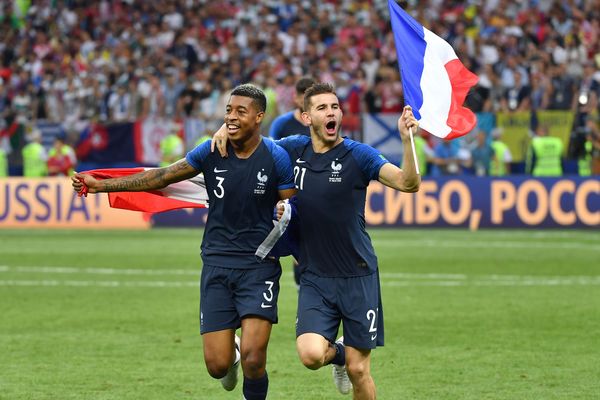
(241, 197)
(332, 189)
(287, 125)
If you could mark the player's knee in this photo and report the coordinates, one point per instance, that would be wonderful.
(357, 371)
(312, 358)
(253, 363)
(217, 368)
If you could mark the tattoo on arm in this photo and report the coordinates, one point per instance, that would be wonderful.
(155, 178)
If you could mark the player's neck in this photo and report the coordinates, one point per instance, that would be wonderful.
(298, 115)
(321, 146)
(245, 148)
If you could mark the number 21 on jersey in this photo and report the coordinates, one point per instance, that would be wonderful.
(299, 172)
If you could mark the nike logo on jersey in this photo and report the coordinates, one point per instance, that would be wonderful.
(219, 170)
(300, 161)
(263, 305)
(373, 337)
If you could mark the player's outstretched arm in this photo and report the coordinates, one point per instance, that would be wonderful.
(155, 178)
(405, 179)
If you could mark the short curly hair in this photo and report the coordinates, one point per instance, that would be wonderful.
(248, 90)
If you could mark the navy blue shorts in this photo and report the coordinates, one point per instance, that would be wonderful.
(227, 295)
(325, 302)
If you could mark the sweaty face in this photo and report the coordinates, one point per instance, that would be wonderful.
(241, 117)
(325, 117)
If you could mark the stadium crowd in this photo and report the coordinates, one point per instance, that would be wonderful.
(77, 61)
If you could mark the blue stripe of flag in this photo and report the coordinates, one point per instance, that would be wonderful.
(410, 48)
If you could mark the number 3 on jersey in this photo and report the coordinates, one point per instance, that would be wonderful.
(221, 191)
(299, 172)
(268, 295)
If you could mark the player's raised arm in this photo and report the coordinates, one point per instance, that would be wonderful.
(405, 179)
(155, 178)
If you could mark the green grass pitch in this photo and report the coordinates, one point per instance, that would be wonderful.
(469, 315)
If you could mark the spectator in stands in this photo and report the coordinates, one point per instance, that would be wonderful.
(171, 89)
(509, 71)
(172, 149)
(120, 107)
(588, 90)
(584, 164)
(4, 102)
(153, 99)
(493, 98)
(21, 104)
(291, 122)
(209, 110)
(501, 159)
(35, 157)
(562, 88)
(544, 157)
(271, 95)
(449, 159)
(189, 99)
(370, 65)
(374, 97)
(516, 97)
(63, 62)
(481, 154)
(205, 137)
(594, 139)
(540, 90)
(3, 162)
(61, 158)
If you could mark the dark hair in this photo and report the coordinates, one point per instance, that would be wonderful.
(317, 88)
(303, 84)
(258, 97)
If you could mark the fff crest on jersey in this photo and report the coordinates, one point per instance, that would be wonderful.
(261, 182)
(336, 168)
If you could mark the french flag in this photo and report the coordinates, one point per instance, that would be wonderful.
(434, 80)
(190, 193)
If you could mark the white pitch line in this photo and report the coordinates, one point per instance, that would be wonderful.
(388, 278)
(72, 283)
(591, 281)
(467, 244)
(180, 272)
(407, 275)
(101, 271)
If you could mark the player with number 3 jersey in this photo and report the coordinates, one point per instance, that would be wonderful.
(237, 289)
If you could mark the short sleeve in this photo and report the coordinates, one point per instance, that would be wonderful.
(369, 160)
(197, 156)
(290, 142)
(283, 166)
(274, 131)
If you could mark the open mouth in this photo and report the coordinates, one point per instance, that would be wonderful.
(330, 127)
(231, 129)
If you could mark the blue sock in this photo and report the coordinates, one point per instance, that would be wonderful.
(256, 389)
(340, 354)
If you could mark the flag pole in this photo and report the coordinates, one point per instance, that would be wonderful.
(412, 145)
